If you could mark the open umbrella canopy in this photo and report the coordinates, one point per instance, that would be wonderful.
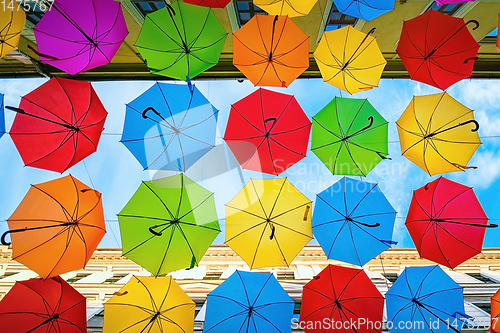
(76, 36)
(341, 294)
(278, 57)
(428, 297)
(168, 224)
(350, 59)
(2, 116)
(148, 304)
(495, 312)
(12, 24)
(353, 221)
(209, 3)
(181, 40)
(349, 136)
(267, 132)
(58, 124)
(437, 49)
(438, 134)
(56, 227)
(364, 9)
(268, 222)
(43, 306)
(169, 127)
(290, 8)
(249, 302)
(446, 222)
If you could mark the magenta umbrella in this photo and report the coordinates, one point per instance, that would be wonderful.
(446, 2)
(76, 36)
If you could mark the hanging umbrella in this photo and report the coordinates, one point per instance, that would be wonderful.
(350, 59)
(290, 8)
(168, 224)
(349, 136)
(169, 127)
(275, 59)
(56, 227)
(2, 116)
(268, 222)
(76, 36)
(428, 297)
(446, 222)
(58, 124)
(148, 304)
(39, 305)
(495, 312)
(438, 134)
(12, 23)
(341, 294)
(437, 49)
(364, 9)
(209, 3)
(249, 302)
(353, 221)
(181, 40)
(267, 131)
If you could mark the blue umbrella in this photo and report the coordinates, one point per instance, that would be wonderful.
(249, 302)
(2, 118)
(425, 297)
(364, 9)
(169, 127)
(353, 221)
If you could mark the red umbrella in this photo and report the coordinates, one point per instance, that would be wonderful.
(446, 222)
(58, 124)
(438, 49)
(209, 3)
(39, 305)
(341, 296)
(267, 131)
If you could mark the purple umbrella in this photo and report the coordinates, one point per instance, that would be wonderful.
(76, 36)
(446, 2)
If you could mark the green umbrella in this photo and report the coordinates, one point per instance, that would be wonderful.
(349, 136)
(168, 224)
(181, 40)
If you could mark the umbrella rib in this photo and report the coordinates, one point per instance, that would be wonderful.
(449, 233)
(225, 319)
(201, 203)
(433, 146)
(244, 211)
(282, 255)
(213, 115)
(189, 245)
(153, 120)
(164, 32)
(258, 244)
(328, 222)
(260, 291)
(292, 130)
(47, 110)
(193, 138)
(158, 197)
(352, 158)
(326, 129)
(232, 300)
(298, 232)
(65, 211)
(360, 201)
(241, 115)
(253, 51)
(69, 237)
(277, 56)
(148, 311)
(172, 138)
(260, 202)
(288, 211)
(265, 319)
(440, 129)
(149, 138)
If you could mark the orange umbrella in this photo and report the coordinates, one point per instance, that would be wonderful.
(495, 312)
(56, 227)
(271, 51)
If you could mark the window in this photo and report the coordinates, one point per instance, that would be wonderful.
(6, 274)
(337, 20)
(480, 277)
(212, 276)
(115, 278)
(450, 9)
(77, 277)
(245, 10)
(285, 275)
(391, 277)
(34, 14)
(147, 7)
(484, 306)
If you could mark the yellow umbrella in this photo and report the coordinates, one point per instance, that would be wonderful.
(291, 8)
(350, 59)
(438, 134)
(12, 24)
(268, 222)
(148, 304)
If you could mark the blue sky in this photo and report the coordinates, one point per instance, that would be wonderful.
(116, 173)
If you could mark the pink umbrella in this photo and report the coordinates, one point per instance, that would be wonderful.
(76, 36)
(446, 2)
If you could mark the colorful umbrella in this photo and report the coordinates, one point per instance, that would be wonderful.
(76, 36)
(349, 136)
(341, 294)
(209, 3)
(12, 23)
(58, 124)
(353, 221)
(2, 116)
(249, 302)
(169, 127)
(364, 9)
(56, 227)
(350, 59)
(446, 222)
(438, 134)
(268, 222)
(495, 312)
(275, 59)
(39, 305)
(168, 224)
(291, 8)
(181, 40)
(148, 304)
(440, 54)
(267, 131)
(425, 296)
